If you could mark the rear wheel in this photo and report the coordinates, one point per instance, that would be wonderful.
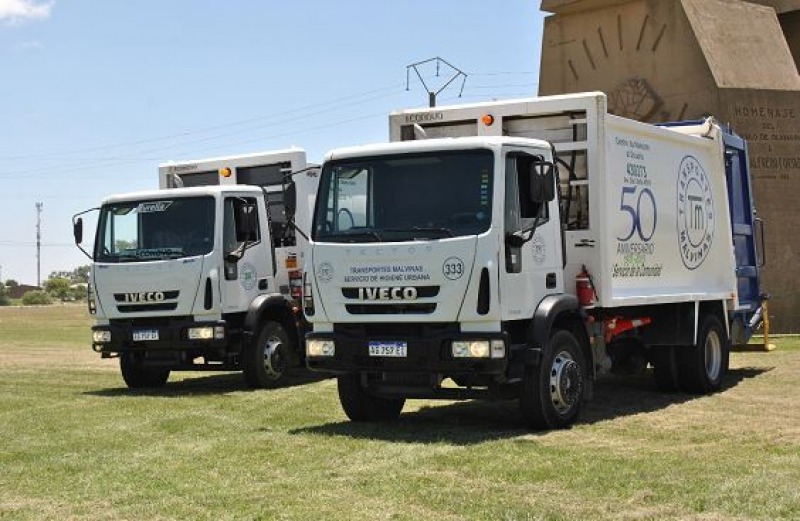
(360, 406)
(702, 367)
(266, 362)
(137, 375)
(553, 392)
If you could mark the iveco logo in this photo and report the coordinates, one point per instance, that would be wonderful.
(152, 296)
(387, 293)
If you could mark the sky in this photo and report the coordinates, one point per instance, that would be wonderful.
(95, 94)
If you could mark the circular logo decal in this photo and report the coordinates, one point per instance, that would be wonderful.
(695, 213)
(325, 272)
(248, 276)
(453, 268)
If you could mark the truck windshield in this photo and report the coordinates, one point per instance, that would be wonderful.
(155, 229)
(405, 197)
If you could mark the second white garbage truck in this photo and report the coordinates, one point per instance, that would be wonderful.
(519, 249)
(205, 273)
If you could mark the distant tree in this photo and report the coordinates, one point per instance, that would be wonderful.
(36, 298)
(59, 287)
(4, 300)
(121, 245)
(78, 292)
(80, 274)
(59, 275)
(11, 283)
(76, 276)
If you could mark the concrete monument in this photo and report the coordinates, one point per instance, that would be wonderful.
(667, 60)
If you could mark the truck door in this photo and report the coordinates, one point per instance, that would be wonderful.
(743, 224)
(533, 269)
(248, 263)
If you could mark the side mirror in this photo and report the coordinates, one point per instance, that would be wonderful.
(290, 200)
(246, 221)
(77, 230)
(542, 182)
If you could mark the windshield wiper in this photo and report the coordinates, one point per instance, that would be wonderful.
(447, 232)
(355, 236)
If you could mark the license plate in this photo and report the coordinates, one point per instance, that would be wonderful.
(145, 334)
(390, 349)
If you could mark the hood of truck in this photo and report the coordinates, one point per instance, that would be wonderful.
(147, 289)
(393, 282)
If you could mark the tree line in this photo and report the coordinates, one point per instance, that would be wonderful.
(59, 286)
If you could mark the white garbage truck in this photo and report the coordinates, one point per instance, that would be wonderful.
(520, 249)
(204, 273)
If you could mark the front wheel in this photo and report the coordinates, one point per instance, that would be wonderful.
(360, 406)
(702, 367)
(553, 392)
(137, 375)
(265, 363)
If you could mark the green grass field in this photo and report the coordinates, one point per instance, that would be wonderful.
(77, 444)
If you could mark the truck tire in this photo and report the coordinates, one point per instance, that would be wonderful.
(553, 392)
(137, 376)
(266, 361)
(665, 369)
(701, 368)
(360, 406)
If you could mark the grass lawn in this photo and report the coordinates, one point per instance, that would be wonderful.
(77, 444)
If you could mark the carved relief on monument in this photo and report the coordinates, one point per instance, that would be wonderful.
(627, 49)
(636, 99)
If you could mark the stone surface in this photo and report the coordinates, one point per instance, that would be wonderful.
(667, 60)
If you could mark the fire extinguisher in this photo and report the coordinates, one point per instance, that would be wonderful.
(584, 288)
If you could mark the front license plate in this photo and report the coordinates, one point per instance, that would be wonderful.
(390, 349)
(145, 334)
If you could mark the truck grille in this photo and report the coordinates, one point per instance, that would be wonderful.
(138, 308)
(390, 309)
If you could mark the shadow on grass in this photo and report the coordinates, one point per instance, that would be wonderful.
(207, 385)
(460, 423)
(626, 396)
(472, 422)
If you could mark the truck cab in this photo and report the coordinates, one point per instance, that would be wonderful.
(425, 255)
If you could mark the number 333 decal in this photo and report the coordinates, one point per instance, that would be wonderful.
(453, 268)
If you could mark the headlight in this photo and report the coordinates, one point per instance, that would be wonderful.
(319, 347)
(470, 349)
(101, 336)
(479, 348)
(205, 333)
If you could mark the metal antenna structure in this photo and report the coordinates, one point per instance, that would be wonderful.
(39, 207)
(440, 62)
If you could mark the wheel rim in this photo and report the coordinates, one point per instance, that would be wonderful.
(274, 364)
(565, 382)
(713, 355)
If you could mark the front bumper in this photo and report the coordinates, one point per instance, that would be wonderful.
(172, 336)
(429, 350)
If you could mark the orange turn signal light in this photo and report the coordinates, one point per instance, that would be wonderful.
(225, 172)
(488, 120)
